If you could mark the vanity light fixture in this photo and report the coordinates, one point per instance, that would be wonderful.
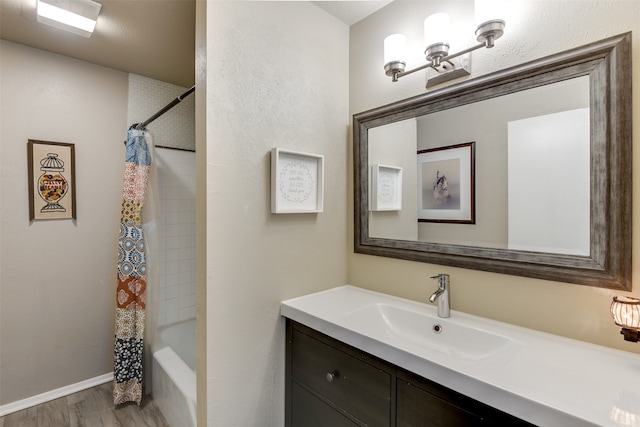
(626, 313)
(447, 66)
(76, 16)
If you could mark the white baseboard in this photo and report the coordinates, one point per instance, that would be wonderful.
(54, 394)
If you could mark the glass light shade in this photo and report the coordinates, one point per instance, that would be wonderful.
(437, 29)
(76, 16)
(626, 312)
(395, 48)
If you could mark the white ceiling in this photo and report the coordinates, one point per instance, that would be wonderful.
(351, 12)
(152, 38)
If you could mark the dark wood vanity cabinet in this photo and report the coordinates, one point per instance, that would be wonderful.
(331, 384)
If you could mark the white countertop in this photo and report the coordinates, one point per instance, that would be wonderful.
(545, 379)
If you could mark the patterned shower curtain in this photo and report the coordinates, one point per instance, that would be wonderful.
(132, 274)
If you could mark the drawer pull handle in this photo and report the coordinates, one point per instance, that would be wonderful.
(332, 376)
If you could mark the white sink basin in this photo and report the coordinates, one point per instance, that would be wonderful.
(427, 330)
(545, 379)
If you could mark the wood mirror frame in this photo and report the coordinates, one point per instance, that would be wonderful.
(608, 64)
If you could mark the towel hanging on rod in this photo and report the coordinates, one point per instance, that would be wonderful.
(164, 109)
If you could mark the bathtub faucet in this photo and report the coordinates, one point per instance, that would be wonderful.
(442, 295)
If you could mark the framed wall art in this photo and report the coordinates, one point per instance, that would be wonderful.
(386, 188)
(297, 182)
(51, 170)
(446, 184)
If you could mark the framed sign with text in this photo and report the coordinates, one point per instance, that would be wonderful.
(386, 188)
(297, 182)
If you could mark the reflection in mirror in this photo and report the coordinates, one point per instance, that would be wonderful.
(531, 170)
(549, 180)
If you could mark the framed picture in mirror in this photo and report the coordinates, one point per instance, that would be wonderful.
(386, 188)
(446, 184)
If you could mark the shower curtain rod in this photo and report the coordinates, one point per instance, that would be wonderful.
(166, 108)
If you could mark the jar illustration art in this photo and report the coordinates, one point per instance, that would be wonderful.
(52, 185)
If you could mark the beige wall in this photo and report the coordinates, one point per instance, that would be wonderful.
(276, 77)
(534, 29)
(57, 276)
(201, 100)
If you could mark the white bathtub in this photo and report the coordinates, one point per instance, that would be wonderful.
(173, 373)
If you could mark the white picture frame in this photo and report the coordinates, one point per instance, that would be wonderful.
(386, 188)
(297, 182)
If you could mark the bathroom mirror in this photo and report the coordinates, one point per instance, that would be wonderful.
(537, 166)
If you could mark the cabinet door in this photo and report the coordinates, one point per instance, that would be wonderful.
(418, 408)
(308, 410)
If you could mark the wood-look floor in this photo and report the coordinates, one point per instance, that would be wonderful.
(89, 408)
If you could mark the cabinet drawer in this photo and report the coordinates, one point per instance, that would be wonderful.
(349, 383)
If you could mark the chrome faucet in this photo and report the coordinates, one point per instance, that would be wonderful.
(442, 295)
